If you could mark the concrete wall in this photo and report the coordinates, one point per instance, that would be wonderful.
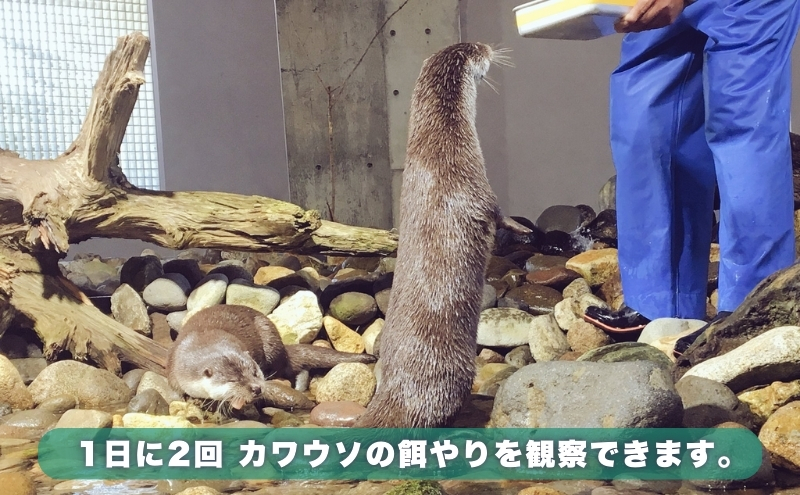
(414, 33)
(334, 89)
(218, 102)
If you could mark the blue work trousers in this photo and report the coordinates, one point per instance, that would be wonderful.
(701, 102)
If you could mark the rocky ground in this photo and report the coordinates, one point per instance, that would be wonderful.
(531, 334)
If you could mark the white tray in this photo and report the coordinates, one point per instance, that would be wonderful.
(570, 19)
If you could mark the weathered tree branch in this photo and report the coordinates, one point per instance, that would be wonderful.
(65, 319)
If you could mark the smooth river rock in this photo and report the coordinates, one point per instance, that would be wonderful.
(573, 394)
(769, 357)
(504, 327)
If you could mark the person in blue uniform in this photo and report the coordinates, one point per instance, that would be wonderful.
(701, 98)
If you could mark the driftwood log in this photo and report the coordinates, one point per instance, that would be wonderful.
(46, 205)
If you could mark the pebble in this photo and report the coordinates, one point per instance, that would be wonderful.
(141, 420)
(353, 308)
(570, 356)
(311, 277)
(653, 486)
(611, 291)
(189, 411)
(298, 319)
(58, 404)
(93, 387)
(140, 271)
(584, 337)
(323, 343)
(608, 194)
(162, 333)
(603, 228)
(342, 337)
(540, 490)
(780, 437)
(504, 327)
(129, 309)
(12, 387)
(209, 292)
(17, 483)
(336, 414)
(489, 378)
(514, 278)
(84, 418)
(168, 293)
(765, 401)
(263, 299)
(489, 298)
(95, 277)
(567, 313)
(487, 356)
(576, 289)
(707, 403)
(199, 490)
(285, 260)
(190, 269)
(557, 278)
(149, 401)
(133, 377)
(595, 266)
(232, 269)
(766, 358)
(519, 356)
(347, 382)
(764, 477)
(540, 262)
(588, 300)
(371, 333)
(267, 274)
(627, 351)
(34, 422)
(245, 423)
(382, 299)
(284, 419)
(159, 384)
(500, 287)
(175, 320)
(547, 341)
(497, 267)
(535, 299)
(667, 327)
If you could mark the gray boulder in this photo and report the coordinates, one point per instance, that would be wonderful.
(572, 394)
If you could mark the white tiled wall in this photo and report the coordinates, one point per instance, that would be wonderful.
(51, 52)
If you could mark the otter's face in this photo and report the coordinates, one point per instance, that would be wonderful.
(480, 60)
(228, 377)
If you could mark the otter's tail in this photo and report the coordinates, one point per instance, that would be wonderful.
(306, 357)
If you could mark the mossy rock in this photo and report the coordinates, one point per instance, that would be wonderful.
(416, 487)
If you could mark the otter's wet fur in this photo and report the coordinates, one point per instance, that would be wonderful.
(448, 218)
(227, 352)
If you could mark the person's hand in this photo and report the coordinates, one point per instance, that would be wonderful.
(650, 14)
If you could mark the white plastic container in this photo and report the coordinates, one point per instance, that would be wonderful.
(570, 19)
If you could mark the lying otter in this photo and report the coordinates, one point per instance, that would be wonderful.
(226, 353)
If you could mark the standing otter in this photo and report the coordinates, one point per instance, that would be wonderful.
(448, 218)
(225, 352)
